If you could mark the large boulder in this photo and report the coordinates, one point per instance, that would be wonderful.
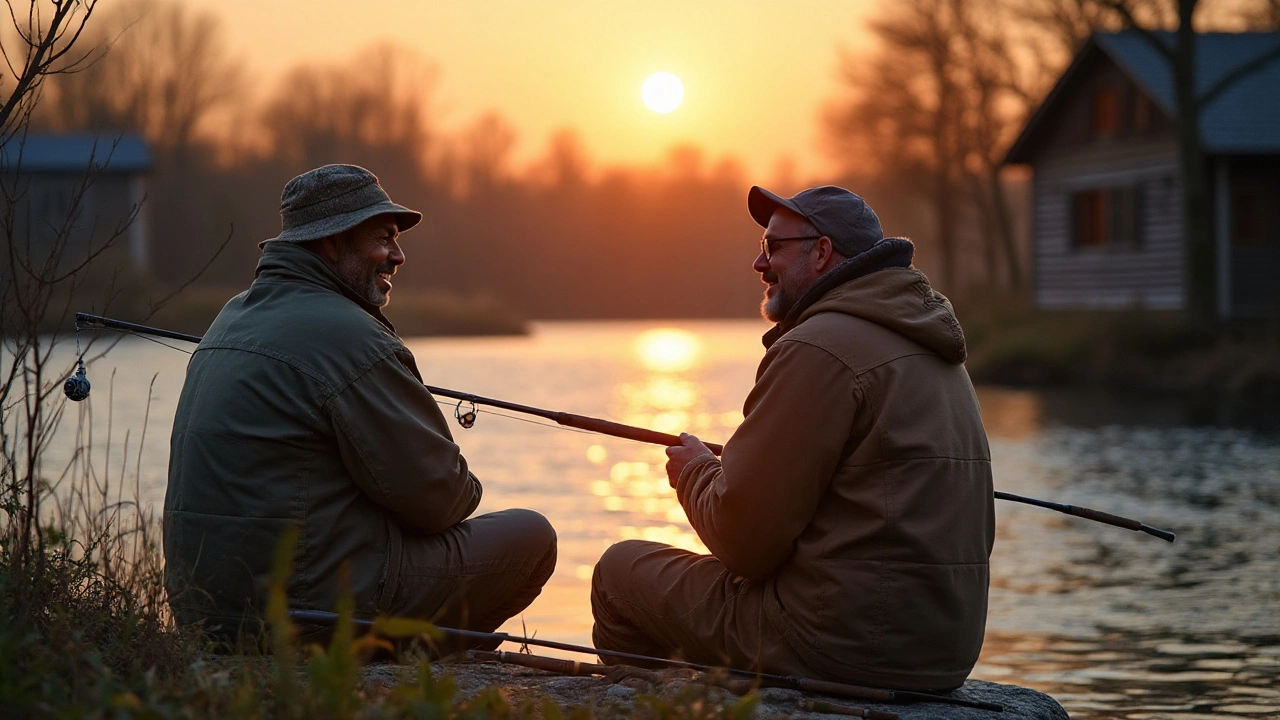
(620, 693)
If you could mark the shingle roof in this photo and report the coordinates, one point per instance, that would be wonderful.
(1245, 118)
(75, 153)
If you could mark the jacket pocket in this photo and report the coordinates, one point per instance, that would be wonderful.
(390, 579)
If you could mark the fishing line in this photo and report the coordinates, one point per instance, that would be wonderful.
(165, 344)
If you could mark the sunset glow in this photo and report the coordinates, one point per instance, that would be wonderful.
(668, 349)
(762, 69)
(662, 92)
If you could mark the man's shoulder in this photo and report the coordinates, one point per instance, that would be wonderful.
(858, 342)
(300, 319)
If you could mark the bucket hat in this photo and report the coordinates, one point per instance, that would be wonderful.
(333, 198)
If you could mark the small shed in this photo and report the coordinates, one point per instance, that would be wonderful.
(1107, 229)
(77, 190)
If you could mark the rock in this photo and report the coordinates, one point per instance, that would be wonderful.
(608, 698)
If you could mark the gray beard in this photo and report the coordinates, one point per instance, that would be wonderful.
(775, 308)
(364, 286)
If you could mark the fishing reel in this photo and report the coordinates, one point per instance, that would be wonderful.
(465, 419)
(76, 388)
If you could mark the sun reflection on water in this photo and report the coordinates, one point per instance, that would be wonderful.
(665, 396)
(668, 349)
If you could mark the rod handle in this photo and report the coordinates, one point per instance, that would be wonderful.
(1127, 523)
(540, 662)
(607, 427)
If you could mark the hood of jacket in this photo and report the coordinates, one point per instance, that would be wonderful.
(881, 286)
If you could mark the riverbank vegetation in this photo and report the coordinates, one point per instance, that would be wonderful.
(1013, 344)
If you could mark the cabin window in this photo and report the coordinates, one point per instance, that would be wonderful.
(1107, 217)
(1255, 207)
(1106, 112)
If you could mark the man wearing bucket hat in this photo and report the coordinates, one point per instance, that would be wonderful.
(303, 409)
(850, 517)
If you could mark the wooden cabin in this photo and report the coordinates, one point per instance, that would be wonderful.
(1106, 205)
(75, 191)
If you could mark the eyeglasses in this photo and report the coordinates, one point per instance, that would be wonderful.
(766, 244)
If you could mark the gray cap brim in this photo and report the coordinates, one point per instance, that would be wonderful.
(762, 204)
(334, 224)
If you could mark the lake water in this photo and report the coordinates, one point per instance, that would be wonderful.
(1112, 623)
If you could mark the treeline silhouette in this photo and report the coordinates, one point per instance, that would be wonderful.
(558, 239)
(920, 127)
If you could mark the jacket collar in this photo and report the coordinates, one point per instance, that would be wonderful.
(291, 262)
(888, 253)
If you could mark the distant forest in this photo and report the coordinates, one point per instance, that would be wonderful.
(920, 128)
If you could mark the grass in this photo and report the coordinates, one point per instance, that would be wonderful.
(77, 643)
(85, 632)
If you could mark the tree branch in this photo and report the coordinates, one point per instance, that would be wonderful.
(1239, 72)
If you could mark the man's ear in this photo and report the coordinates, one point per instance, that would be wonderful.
(827, 256)
(329, 248)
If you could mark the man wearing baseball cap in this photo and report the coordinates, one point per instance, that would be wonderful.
(850, 518)
(303, 409)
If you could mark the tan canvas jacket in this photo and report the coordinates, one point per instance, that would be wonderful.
(858, 487)
(302, 408)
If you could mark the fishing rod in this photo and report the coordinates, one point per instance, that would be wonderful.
(580, 422)
(822, 687)
(77, 388)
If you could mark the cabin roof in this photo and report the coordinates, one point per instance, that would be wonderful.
(1243, 119)
(40, 152)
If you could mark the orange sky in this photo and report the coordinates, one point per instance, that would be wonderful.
(755, 72)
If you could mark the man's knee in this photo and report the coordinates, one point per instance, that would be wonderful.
(615, 570)
(531, 530)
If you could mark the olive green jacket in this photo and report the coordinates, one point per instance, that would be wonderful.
(302, 408)
(858, 487)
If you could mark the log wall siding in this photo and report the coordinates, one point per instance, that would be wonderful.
(1150, 275)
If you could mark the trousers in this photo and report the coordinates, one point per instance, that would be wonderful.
(654, 599)
(476, 574)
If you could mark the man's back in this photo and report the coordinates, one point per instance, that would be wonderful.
(295, 410)
(888, 582)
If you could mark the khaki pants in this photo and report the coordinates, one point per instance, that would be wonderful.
(653, 599)
(476, 574)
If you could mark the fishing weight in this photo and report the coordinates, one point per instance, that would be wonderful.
(76, 388)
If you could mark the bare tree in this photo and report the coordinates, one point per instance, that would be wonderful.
(163, 71)
(43, 45)
(940, 99)
(487, 144)
(35, 272)
(565, 164)
(373, 111)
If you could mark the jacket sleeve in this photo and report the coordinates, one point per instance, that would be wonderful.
(396, 444)
(751, 505)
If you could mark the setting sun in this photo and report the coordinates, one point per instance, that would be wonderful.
(662, 92)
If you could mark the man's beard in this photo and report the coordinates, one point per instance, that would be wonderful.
(363, 280)
(774, 308)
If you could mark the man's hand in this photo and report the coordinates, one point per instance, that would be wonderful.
(679, 455)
